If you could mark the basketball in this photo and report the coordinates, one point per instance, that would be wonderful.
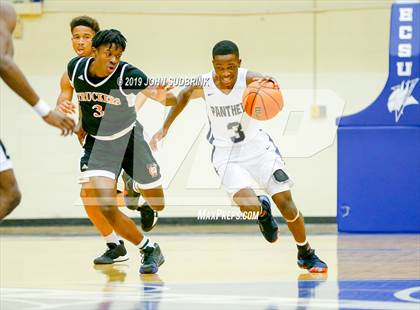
(262, 100)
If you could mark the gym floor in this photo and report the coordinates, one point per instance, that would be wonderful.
(208, 268)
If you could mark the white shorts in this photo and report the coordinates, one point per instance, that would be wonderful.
(5, 162)
(241, 166)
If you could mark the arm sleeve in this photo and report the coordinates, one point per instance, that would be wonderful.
(134, 80)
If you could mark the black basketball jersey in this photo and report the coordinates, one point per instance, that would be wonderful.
(107, 104)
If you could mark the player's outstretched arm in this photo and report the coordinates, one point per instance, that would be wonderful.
(64, 103)
(184, 96)
(10, 72)
(16, 80)
(136, 82)
(160, 93)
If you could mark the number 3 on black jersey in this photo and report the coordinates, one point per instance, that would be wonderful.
(98, 110)
(237, 129)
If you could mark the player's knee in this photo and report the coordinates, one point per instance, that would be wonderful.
(109, 212)
(11, 200)
(105, 201)
(16, 198)
(284, 201)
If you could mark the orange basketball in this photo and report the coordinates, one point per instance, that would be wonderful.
(262, 100)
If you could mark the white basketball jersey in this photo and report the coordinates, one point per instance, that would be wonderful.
(229, 124)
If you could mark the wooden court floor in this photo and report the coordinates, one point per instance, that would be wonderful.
(211, 270)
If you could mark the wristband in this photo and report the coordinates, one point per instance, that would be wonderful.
(42, 108)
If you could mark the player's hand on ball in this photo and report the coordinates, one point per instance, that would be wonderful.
(66, 106)
(61, 121)
(156, 138)
(265, 79)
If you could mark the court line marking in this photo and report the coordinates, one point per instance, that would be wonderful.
(92, 297)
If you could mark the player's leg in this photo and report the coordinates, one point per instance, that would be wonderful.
(124, 226)
(132, 201)
(251, 204)
(248, 201)
(291, 215)
(307, 259)
(131, 197)
(100, 165)
(104, 189)
(141, 166)
(9, 191)
(269, 171)
(238, 182)
(116, 251)
(154, 197)
(155, 201)
(143, 177)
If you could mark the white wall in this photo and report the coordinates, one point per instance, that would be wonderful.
(345, 56)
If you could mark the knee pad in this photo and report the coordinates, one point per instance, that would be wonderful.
(280, 176)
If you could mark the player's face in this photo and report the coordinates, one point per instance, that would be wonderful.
(226, 69)
(107, 57)
(81, 39)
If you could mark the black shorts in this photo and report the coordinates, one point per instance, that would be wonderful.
(129, 152)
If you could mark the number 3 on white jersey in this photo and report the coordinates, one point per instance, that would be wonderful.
(237, 130)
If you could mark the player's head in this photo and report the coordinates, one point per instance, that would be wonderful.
(108, 47)
(226, 62)
(83, 29)
(8, 16)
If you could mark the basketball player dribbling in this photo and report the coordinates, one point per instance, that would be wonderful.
(10, 73)
(242, 152)
(83, 29)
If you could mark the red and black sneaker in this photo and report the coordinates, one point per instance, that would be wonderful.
(312, 263)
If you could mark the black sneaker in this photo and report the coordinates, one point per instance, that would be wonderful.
(131, 197)
(268, 225)
(312, 263)
(115, 253)
(149, 217)
(152, 259)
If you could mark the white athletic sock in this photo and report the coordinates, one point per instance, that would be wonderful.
(119, 237)
(302, 243)
(145, 243)
(112, 238)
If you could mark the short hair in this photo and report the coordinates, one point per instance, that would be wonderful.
(84, 21)
(225, 47)
(111, 36)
